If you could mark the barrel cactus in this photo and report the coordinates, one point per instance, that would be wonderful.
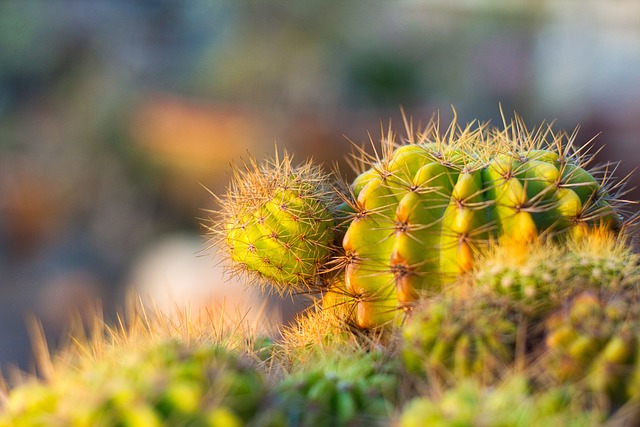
(423, 211)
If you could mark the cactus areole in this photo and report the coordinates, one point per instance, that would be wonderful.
(423, 210)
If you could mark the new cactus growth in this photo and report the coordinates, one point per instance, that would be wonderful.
(601, 260)
(525, 273)
(278, 222)
(423, 211)
(538, 276)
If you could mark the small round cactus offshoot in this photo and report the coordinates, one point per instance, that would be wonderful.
(276, 222)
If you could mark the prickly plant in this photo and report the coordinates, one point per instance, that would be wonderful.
(277, 222)
(511, 403)
(316, 333)
(537, 276)
(342, 389)
(166, 383)
(152, 368)
(424, 210)
(452, 338)
(524, 272)
(594, 341)
(600, 259)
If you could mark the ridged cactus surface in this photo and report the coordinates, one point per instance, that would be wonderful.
(424, 210)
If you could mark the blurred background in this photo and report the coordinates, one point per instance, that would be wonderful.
(115, 115)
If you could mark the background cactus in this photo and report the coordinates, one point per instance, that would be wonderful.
(277, 222)
(423, 211)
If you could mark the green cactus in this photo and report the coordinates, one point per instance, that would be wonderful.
(537, 276)
(340, 389)
(163, 383)
(278, 222)
(601, 260)
(594, 341)
(525, 273)
(451, 338)
(423, 211)
(511, 403)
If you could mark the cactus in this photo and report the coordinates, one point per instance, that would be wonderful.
(594, 341)
(453, 338)
(600, 259)
(277, 222)
(538, 276)
(164, 383)
(423, 211)
(341, 389)
(510, 404)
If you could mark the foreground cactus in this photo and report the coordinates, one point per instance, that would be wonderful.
(278, 222)
(594, 341)
(165, 384)
(341, 389)
(423, 211)
(510, 404)
(419, 215)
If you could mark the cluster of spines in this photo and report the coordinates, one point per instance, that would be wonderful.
(350, 388)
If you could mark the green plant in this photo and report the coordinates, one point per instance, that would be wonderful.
(348, 388)
(594, 342)
(511, 403)
(160, 383)
(424, 210)
(277, 222)
(452, 338)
